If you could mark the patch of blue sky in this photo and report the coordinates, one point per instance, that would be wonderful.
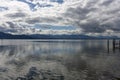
(32, 5)
(45, 5)
(58, 1)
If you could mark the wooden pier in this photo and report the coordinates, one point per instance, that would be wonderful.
(115, 45)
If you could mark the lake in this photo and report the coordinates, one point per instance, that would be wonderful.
(58, 60)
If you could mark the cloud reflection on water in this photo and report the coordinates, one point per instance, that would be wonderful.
(76, 60)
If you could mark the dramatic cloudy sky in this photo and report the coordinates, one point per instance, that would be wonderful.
(90, 17)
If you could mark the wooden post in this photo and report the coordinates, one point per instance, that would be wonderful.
(113, 45)
(119, 45)
(108, 46)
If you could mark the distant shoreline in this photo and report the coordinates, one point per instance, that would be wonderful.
(64, 36)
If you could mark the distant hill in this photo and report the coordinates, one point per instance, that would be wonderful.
(107, 37)
(40, 36)
(9, 36)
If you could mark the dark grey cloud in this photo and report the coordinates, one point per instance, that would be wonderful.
(10, 24)
(33, 20)
(8, 27)
(78, 14)
(92, 27)
(16, 15)
(107, 2)
(11, 27)
(17, 28)
(2, 29)
(41, 20)
(96, 16)
(3, 8)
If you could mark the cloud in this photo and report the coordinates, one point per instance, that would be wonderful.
(3, 8)
(16, 15)
(95, 16)
(89, 16)
(41, 20)
(107, 2)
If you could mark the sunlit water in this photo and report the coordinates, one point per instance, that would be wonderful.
(74, 59)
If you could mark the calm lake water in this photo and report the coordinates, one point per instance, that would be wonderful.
(71, 59)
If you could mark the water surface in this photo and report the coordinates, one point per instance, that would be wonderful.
(73, 59)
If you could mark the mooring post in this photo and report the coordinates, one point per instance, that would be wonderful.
(108, 46)
(119, 44)
(113, 45)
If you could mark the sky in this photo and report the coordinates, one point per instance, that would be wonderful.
(89, 17)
